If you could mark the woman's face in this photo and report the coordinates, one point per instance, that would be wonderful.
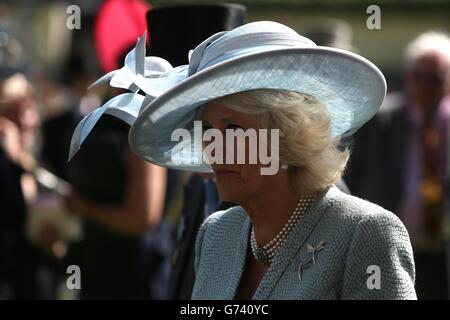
(235, 182)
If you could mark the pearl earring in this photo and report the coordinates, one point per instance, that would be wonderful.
(284, 166)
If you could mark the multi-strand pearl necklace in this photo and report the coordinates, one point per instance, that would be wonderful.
(266, 253)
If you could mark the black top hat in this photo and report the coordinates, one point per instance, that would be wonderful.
(175, 30)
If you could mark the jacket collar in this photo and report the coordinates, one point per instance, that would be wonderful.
(290, 248)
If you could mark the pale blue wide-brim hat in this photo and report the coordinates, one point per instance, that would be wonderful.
(256, 55)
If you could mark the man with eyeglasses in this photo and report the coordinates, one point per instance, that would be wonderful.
(401, 159)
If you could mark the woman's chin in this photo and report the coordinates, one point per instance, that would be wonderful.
(229, 197)
(230, 193)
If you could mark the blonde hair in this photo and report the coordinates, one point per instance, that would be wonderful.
(313, 156)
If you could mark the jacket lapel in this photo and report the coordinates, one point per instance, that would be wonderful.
(239, 259)
(293, 243)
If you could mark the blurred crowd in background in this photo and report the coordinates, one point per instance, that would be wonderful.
(130, 225)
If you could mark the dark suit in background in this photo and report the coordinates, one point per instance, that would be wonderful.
(379, 171)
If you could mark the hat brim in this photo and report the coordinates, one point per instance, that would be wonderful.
(349, 85)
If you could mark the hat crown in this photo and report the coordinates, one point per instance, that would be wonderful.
(260, 55)
(246, 39)
(262, 27)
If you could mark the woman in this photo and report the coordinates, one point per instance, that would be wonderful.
(294, 235)
(352, 241)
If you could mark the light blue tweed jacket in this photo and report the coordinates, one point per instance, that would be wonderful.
(366, 254)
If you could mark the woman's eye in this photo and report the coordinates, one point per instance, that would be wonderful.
(206, 127)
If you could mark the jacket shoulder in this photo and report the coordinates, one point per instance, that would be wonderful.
(228, 216)
(352, 209)
(218, 230)
(376, 241)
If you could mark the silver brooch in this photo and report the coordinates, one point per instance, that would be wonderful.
(311, 250)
